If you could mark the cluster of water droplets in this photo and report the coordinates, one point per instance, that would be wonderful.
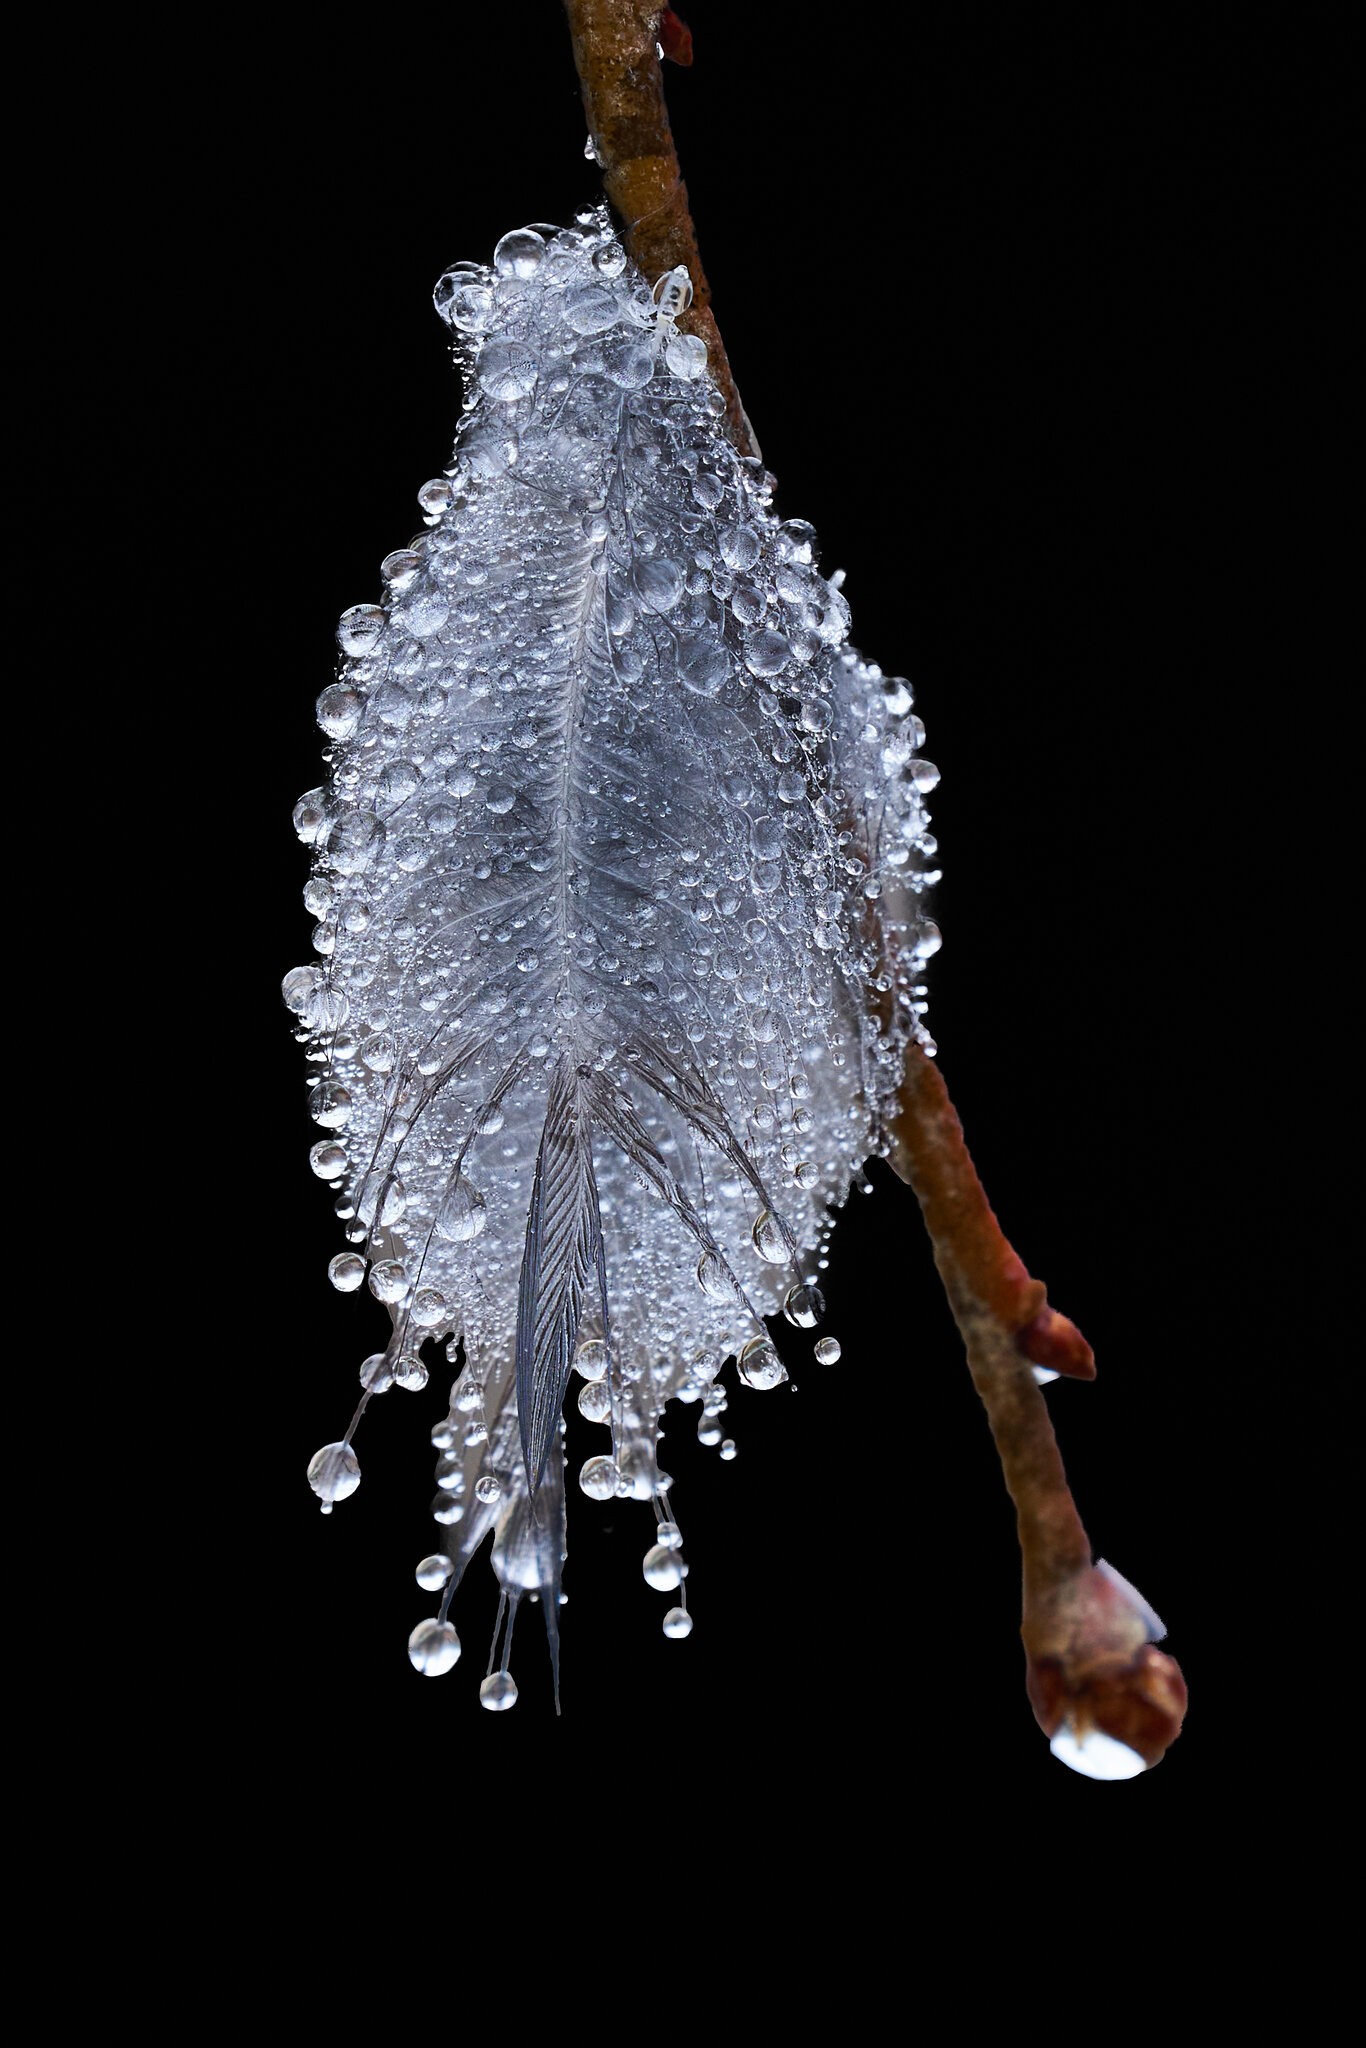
(611, 798)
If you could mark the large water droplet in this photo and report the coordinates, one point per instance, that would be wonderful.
(595, 1400)
(334, 1472)
(739, 547)
(768, 1239)
(463, 1213)
(499, 1690)
(346, 1272)
(339, 710)
(329, 1104)
(599, 1479)
(434, 1648)
(464, 301)
(519, 253)
(591, 309)
(804, 1305)
(663, 1568)
(658, 583)
(686, 356)
(359, 628)
(508, 370)
(760, 1366)
(713, 1278)
(703, 665)
(1096, 1755)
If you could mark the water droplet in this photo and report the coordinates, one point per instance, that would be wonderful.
(433, 1572)
(610, 259)
(768, 1239)
(334, 1472)
(591, 309)
(595, 1400)
(399, 568)
(766, 653)
(327, 1160)
(599, 1479)
(435, 497)
(713, 1279)
(464, 301)
(686, 356)
(434, 1648)
(760, 1366)
(339, 711)
(806, 1173)
(591, 1358)
(739, 547)
(1096, 1755)
(411, 1374)
(488, 1489)
(923, 776)
(519, 253)
(677, 1624)
(463, 1213)
(728, 1447)
(346, 1272)
(658, 583)
(828, 1350)
(429, 1308)
(329, 1104)
(389, 1280)
(377, 1373)
(359, 628)
(310, 815)
(703, 664)
(508, 371)
(804, 1305)
(663, 1568)
(499, 1690)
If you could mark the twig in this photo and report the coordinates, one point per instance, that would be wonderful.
(1088, 1636)
(615, 44)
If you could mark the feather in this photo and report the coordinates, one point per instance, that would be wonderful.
(617, 878)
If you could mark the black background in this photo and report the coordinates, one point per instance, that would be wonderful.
(1005, 292)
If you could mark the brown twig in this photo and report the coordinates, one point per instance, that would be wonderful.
(615, 52)
(1088, 1638)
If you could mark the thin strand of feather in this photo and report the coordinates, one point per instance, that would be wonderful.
(688, 1093)
(620, 1121)
(563, 1238)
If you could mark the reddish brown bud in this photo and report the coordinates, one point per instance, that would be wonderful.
(1054, 1342)
(1140, 1702)
(675, 38)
